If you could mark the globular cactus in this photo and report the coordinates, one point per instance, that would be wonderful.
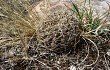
(59, 30)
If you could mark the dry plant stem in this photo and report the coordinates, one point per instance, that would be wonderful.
(34, 13)
(22, 19)
(25, 47)
(31, 37)
(107, 65)
(74, 48)
(43, 64)
(87, 53)
(38, 61)
(25, 21)
(97, 53)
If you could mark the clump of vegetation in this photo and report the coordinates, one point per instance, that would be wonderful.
(59, 32)
(65, 38)
(94, 29)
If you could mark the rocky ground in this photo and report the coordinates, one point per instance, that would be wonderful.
(53, 41)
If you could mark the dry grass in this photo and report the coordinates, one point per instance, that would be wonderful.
(65, 38)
